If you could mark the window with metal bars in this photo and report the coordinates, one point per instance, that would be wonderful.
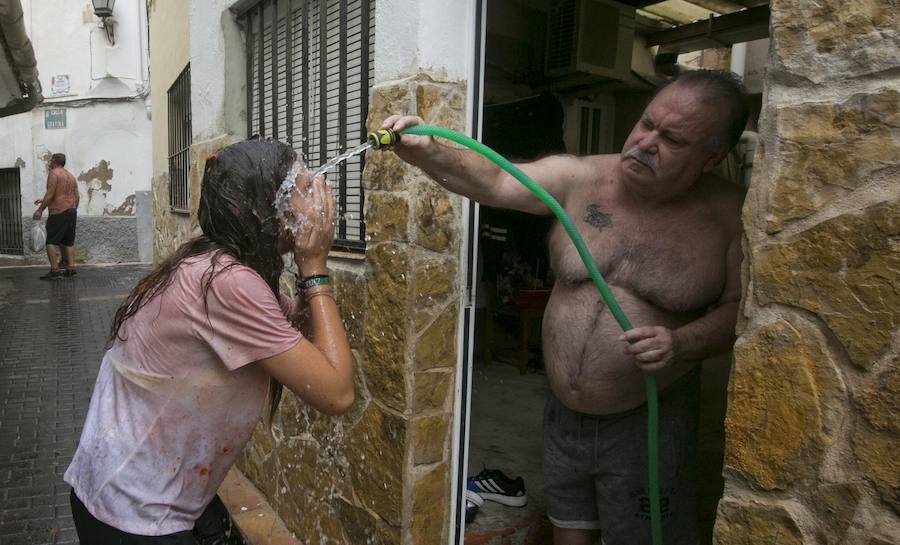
(179, 102)
(308, 79)
(11, 212)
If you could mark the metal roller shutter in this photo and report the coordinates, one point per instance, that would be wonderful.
(308, 79)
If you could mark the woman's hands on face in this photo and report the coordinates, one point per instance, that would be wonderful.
(312, 207)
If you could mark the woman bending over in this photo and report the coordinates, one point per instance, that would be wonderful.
(200, 346)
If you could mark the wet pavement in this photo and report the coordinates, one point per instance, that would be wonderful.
(52, 337)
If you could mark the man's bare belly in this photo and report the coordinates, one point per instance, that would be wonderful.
(584, 358)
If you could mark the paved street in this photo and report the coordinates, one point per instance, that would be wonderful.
(52, 336)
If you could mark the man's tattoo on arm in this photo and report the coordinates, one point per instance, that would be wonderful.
(596, 217)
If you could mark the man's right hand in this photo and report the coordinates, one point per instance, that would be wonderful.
(410, 147)
(37, 215)
(468, 173)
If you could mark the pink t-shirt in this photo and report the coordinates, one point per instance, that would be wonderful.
(175, 402)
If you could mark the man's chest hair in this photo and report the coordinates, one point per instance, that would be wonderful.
(675, 263)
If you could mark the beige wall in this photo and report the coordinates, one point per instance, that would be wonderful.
(169, 54)
(813, 432)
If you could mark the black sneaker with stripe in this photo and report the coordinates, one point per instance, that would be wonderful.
(493, 485)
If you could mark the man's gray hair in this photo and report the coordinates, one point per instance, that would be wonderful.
(721, 87)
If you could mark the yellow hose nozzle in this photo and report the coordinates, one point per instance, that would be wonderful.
(383, 137)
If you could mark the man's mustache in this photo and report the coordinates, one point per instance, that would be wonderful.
(649, 160)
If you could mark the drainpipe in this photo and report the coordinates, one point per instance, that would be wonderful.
(21, 54)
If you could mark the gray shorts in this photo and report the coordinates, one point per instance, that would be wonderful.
(595, 468)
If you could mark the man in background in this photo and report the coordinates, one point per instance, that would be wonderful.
(61, 199)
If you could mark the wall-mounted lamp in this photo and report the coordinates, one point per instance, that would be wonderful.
(104, 10)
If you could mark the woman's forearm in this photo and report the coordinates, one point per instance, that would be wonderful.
(325, 328)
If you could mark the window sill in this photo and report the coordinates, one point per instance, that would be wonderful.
(348, 255)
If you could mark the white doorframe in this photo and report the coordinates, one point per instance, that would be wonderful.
(466, 322)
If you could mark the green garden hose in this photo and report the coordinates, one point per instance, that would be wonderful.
(386, 137)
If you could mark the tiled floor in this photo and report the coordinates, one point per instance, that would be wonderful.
(52, 337)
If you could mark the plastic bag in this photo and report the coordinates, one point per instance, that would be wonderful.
(38, 236)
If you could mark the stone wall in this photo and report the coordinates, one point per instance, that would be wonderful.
(813, 432)
(381, 473)
(170, 228)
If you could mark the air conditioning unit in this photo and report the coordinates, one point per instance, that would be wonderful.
(589, 37)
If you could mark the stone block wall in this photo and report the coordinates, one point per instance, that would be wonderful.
(381, 473)
(812, 432)
(172, 229)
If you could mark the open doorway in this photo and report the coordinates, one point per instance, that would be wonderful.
(529, 113)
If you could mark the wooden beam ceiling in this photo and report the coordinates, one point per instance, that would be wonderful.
(703, 3)
(679, 12)
(719, 6)
(724, 30)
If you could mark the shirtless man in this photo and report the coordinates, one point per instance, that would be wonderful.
(666, 235)
(61, 198)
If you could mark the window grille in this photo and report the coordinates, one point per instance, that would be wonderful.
(308, 79)
(179, 101)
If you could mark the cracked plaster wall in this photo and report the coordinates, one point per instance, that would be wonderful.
(107, 134)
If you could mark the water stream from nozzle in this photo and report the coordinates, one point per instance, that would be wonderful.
(342, 157)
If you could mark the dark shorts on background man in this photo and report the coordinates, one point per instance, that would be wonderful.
(595, 468)
(61, 228)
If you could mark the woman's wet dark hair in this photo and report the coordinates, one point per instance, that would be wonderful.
(237, 211)
(237, 217)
